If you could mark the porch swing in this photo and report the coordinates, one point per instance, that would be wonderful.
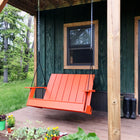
(69, 92)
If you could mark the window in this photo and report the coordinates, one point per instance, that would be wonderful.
(77, 40)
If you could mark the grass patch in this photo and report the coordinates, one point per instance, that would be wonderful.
(13, 95)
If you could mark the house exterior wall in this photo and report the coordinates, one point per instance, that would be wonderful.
(52, 40)
(52, 45)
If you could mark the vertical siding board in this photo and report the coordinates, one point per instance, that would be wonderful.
(101, 73)
(49, 43)
(40, 78)
(129, 51)
(123, 47)
(58, 53)
(127, 48)
(130, 56)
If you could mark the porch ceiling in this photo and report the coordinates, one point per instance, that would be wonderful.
(30, 6)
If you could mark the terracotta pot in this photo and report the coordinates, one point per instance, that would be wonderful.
(56, 138)
(9, 130)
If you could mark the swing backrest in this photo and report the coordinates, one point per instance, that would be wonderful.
(69, 92)
(69, 87)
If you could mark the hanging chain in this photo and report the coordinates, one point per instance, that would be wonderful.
(91, 44)
(92, 33)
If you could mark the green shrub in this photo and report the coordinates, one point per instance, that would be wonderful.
(80, 135)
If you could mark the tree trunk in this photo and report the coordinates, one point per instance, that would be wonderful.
(5, 74)
(32, 49)
(28, 46)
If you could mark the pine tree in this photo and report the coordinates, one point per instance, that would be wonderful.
(13, 44)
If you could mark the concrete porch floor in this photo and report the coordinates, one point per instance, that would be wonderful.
(70, 121)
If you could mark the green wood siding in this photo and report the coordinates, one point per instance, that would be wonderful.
(40, 79)
(127, 47)
(52, 43)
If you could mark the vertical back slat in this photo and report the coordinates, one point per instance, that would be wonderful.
(50, 86)
(56, 86)
(68, 88)
(62, 87)
(82, 88)
(75, 87)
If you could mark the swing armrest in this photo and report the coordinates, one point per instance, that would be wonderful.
(87, 91)
(36, 87)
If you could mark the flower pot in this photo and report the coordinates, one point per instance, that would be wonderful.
(56, 138)
(9, 129)
(2, 125)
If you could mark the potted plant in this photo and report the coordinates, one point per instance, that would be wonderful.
(2, 121)
(10, 123)
(52, 133)
(25, 133)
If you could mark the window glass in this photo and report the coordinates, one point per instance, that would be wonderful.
(80, 36)
(79, 40)
(83, 56)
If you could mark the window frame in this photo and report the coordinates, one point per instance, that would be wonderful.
(85, 23)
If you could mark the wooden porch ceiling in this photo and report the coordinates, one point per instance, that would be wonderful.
(30, 6)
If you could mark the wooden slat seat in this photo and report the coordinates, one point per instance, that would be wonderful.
(66, 92)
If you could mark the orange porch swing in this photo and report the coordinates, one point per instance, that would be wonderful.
(65, 92)
(70, 92)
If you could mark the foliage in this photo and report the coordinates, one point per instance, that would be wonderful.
(17, 55)
(2, 117)
(52, 132)
(28, 133)
(80, 135)
(32, 133)
(15, 67)
(10, 121)
(13, 95)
